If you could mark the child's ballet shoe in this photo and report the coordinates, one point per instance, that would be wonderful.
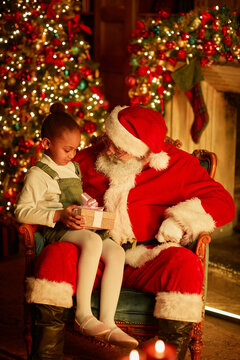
(117, 337)
(96, 330)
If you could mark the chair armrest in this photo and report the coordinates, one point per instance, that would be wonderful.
(27, 230)
(203, 239)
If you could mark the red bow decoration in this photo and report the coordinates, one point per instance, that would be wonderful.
(72, 104)
(74, 26)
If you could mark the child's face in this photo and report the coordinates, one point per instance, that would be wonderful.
(62, 149)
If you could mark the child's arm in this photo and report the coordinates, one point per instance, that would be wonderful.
(39, 203)
(34, 205)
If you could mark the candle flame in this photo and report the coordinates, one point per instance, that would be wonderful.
(134, 355)
(159, 346)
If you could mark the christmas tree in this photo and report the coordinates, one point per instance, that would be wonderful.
(44, 58)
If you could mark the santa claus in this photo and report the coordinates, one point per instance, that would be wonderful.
(163, 199)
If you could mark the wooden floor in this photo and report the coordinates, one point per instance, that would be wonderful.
(221, 337)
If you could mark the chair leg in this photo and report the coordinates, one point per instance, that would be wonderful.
(196, 343)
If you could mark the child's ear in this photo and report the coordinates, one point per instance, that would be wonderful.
(46, 143)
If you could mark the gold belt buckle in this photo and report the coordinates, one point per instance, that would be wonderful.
(134, 243)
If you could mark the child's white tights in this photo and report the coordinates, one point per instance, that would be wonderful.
(92, 248)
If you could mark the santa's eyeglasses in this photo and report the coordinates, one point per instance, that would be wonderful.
(108, 142)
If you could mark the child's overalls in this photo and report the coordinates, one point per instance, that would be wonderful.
(71, 190)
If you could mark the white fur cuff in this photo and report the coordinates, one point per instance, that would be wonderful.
(192, 217)
(178, 306)
(47, 292)
(141, 254)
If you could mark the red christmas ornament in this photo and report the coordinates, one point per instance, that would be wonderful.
(227, 40)
(172, 61)
(201, 33)
(56, 42)
(170, 45)
(130, 80)
(74, 80)
(229, 56)
(166, 76)
(158, 70)
(161, 55)
(184, 35)
(139, 30)
(134, 48)
(209, 48)
(90, 127)
(162, 14)
(135, 100)
(80, 114)
(86, 71)
(225, 29)
(181, 54)
(145, 99)
(142, 70)
(203, 61)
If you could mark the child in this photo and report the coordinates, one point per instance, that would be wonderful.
(52, 190)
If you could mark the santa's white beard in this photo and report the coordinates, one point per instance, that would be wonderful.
(121, 176)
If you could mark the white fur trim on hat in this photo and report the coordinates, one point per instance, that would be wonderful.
(192, 217)
(159, 161)
(177, 306)
(141, 254)
(47, 292)
(123, 138)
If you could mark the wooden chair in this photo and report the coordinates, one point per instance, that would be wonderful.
(135, 309)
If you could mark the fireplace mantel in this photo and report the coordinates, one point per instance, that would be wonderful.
(225, 78)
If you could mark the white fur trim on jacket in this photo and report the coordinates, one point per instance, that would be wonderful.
(141, 254)
(123, 138)
(122, 180)
(178, 306)
(47, 292)
(192, 217)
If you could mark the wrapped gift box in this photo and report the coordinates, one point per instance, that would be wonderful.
(97, 219)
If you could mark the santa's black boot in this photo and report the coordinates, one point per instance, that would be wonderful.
(47, 332)
(176, 333)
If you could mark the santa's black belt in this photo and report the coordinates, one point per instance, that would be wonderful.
(130, 245)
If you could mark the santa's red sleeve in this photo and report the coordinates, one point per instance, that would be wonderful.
(208, 204)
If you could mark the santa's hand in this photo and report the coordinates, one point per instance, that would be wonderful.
(170, 230)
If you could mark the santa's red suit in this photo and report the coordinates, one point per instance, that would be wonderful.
(171, 197)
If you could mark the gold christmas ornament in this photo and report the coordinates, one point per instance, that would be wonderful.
(195, 24)
(11, 81)
(142, 89)
(217, 39)
(132, 92)
(235, 50)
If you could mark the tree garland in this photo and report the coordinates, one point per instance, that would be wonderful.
(159, 43)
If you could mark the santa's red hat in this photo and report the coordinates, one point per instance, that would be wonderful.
(138, 130)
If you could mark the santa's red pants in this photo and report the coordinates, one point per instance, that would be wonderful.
(175, 276)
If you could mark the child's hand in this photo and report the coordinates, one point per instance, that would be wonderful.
(71, 220)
